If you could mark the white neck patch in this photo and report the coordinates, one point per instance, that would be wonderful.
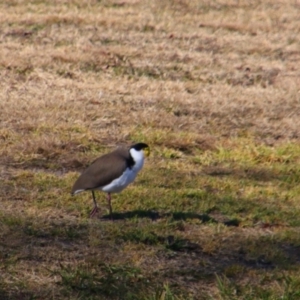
(138, 157)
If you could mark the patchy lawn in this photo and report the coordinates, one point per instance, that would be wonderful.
(212, 87)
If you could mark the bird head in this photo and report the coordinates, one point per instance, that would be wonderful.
(141, 147)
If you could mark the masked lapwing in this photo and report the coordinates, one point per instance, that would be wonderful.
(112, 172)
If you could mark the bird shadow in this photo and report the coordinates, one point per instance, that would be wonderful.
(177, 216)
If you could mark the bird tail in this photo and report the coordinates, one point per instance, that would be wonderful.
(76, 192)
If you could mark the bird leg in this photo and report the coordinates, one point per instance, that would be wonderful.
(95, 209)
(109, 204)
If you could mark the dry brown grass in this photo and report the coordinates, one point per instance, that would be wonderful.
(212, 86)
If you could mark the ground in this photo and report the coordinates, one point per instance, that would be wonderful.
(212, 87)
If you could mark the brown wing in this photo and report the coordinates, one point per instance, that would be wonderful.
(103, 170)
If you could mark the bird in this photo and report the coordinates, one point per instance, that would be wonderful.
(112, 173)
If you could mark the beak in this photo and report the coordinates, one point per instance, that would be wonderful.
(147, 151)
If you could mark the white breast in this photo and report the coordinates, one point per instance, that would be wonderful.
(128, 176)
